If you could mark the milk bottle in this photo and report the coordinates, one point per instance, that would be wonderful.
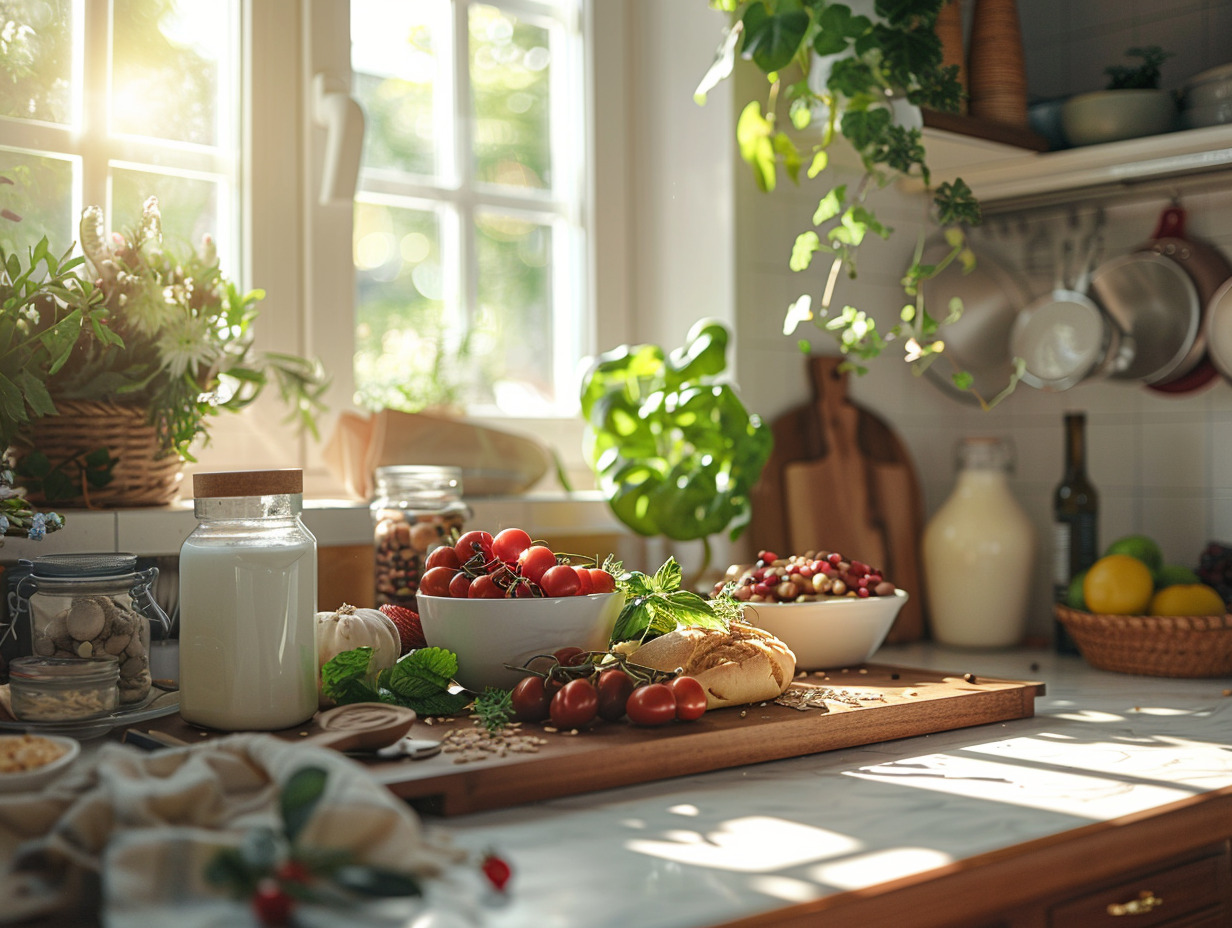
(248, 586)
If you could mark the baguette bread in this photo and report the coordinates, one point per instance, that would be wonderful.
(741, 665)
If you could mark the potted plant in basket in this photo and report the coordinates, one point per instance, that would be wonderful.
(122, 356)
(831, 73)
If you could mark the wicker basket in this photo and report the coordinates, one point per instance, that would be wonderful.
(145, 474)
(1154, 645)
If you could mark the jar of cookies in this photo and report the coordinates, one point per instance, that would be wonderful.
(417, 508)
(93, 606)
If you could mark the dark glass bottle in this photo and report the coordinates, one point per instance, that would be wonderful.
(1075, 508)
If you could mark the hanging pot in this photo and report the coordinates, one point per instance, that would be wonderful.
(1154, 302)
(1063, 336)
(1208, 269)
(978, 341)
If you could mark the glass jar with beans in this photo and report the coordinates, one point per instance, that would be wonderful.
(417, 508)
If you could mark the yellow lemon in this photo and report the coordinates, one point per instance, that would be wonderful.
(1118, 584)
(1187, 599)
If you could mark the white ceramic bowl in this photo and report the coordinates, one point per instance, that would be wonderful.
(827, 634)
(487, 634)
(1111, 115)
(33, 780)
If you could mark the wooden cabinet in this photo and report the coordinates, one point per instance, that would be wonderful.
(1190, 891)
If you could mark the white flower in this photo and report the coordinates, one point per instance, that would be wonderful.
(149, 312)
(186, 342)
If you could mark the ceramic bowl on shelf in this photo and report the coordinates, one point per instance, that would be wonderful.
(487, 634)
(36, 760)
(1113, 115)
(828, 634)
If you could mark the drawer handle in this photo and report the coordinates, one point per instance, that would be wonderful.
(1145, 902)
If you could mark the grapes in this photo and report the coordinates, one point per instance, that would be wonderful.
(803, 578)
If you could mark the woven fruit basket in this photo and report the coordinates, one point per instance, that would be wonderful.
(1153, 645)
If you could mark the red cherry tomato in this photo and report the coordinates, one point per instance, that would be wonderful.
(530, 700)
(474, 544)
(574, 705)
(561, 580)
(651, 704)
(435, 582)
(602, 581)
(272, 904)
(569, 657)
(614, 689)
(460, 586)
(535, 561)
(509, 544)
(484, 587)
(690, 698)
(586, 586)
(442, 556)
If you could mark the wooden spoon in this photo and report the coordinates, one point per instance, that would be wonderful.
(362, 726)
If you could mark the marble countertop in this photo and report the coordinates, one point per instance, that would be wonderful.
(705, 849)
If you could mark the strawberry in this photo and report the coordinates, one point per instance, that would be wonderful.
(409, 630)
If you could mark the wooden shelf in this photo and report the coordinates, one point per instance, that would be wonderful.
(962, 124)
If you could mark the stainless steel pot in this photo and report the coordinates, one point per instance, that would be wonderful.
(1208, 269)
(978, 341)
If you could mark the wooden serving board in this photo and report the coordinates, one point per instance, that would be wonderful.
(870, 704)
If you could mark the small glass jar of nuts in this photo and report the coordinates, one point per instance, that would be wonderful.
(90, 606)
(63, 689)
(417, 508)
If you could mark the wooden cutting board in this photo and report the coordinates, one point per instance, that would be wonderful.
(867, 705)
(840, 478)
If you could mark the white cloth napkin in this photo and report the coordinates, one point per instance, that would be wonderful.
(128, 834)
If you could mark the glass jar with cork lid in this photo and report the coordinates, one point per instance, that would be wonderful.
(417, 508)
(248, 601)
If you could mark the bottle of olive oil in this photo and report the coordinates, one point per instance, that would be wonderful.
(1075, 507)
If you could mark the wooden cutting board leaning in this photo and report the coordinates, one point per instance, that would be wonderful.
(840, 478)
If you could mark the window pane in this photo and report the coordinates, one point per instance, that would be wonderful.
(509, 68)
(396, 56)
(189, 205)
(170, 67)
(40, 194)
(515, 305)
(36, 60)
(408, 346)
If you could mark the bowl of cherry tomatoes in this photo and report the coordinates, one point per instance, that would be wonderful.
(499, 601)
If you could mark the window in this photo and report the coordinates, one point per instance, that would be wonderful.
(110, 103)
(469, 243)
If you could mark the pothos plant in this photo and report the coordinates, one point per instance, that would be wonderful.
(832, 73)
(674, 449)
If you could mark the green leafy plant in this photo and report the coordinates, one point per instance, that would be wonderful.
(831, 74)
(1144, 76)
(674, 449)
(143, 325)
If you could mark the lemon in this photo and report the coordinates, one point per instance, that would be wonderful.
(1187, 599)
(1140, 546)
(1172, 574)
(1118, 584)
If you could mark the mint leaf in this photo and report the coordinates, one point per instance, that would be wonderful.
(421, 680)
(344, 678)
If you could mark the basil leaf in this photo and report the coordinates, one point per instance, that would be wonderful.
(344, 678)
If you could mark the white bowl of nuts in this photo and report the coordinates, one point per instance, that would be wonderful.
(831, 611)
(27, 762)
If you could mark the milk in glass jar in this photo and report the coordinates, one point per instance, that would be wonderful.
(248, 593)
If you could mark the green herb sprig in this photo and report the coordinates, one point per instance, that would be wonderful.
(656, 605)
